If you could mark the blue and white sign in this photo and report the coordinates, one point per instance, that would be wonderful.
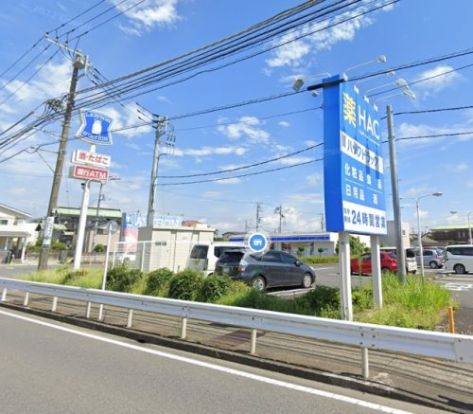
(95, 128)
(257, 242)
(353, 162)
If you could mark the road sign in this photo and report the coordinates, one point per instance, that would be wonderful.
(257, 242)
(91, 158)
(95, 128)
(83, 172)
(353, 162)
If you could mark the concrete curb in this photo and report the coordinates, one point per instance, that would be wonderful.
(246, 359)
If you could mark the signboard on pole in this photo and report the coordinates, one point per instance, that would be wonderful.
(95, 128)
(83, 172)
(353, 162)
(48, 231)
(91, 158)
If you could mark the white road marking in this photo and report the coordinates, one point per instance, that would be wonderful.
(215, 367)
(458, 287)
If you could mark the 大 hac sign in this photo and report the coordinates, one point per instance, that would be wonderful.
(353, 162)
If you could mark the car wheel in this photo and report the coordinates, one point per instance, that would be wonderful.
(259, 283)
(433, 265)
(459, 269)
(307, 281)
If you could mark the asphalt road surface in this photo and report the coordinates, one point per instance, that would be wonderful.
(48, 367)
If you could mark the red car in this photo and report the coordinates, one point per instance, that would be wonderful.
(362, 265)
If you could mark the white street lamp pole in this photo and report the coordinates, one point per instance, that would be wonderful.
(469, 227)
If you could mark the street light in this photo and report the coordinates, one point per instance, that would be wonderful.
(406, 92)
(399, 83)
(300, 80)
(469, 224)
(377, 59)
(419, 231)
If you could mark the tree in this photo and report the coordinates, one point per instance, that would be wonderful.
(357, 247)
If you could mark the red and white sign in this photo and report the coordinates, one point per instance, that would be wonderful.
(83, 172)
(91, 158)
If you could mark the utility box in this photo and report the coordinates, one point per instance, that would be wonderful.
(169, 246)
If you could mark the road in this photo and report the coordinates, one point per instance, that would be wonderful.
(49, 367)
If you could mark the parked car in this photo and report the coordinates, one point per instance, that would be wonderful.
(411, 262)
(271, 269)
(203, 257)
(362, 265)
(459, 258)
(433, 258)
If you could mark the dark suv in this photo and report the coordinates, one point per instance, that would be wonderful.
(273, 268)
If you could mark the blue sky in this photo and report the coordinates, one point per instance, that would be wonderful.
(161, 29)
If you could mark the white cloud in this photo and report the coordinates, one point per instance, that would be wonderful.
(307, 198)
(248, 126)
(294, 220)
(284, 124)
(314, 179)
(147, 15)
(460, 167)
(437, 79)
(294, 160)
(422, 213)
(319, 36)
(229, 181)
(207, 151)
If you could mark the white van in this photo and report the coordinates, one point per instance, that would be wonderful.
(203, 257)
(411, 262)
(459, 258)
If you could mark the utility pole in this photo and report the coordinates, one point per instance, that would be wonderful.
(79, 63)
(278, 210)
(401, 253)
(259, 210)
(159, 124)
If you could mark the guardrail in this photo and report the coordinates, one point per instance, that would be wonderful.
(366, 336)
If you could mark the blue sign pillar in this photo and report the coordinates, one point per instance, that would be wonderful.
(353, 162)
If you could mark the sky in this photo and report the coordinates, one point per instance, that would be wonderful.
(157, 30)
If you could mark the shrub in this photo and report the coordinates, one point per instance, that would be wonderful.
(99, 248)
(158, 281)
(71, 275)
(214, 287)
(323, 298)
(186, 285)
(121, 278)
(312, 260)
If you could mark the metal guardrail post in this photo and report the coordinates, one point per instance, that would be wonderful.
(129, 321)
(54, 307)
(184, 328)
(254, 335)
(88, 309)
(27, 299)
(365, 368)
(4, 294)
(100, 317)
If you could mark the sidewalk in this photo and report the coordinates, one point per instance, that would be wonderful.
(435, 382)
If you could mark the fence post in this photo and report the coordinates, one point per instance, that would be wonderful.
(365, 368)
(87, 310)
(4, 294)
(254, 334)
(100, 318)
(27, 299)
(183, 328)
(54, 306)
(129, 321)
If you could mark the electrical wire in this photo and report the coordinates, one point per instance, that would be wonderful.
(244, 167)
(242, 175)
(433, 110)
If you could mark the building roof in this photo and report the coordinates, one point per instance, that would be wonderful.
(15, 212)
(450, 227)
(91, 212)
(13, 233)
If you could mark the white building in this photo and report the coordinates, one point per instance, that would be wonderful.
(170, 246)
(15, 232)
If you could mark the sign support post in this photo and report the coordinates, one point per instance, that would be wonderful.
(376, 272)
(345, 273)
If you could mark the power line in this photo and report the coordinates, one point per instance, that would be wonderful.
(433, 110)
(243, 175)
(448, 134)
(244, 167)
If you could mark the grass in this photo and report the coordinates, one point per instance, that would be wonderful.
(418, 304)
(312, 260)
(86, 278)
